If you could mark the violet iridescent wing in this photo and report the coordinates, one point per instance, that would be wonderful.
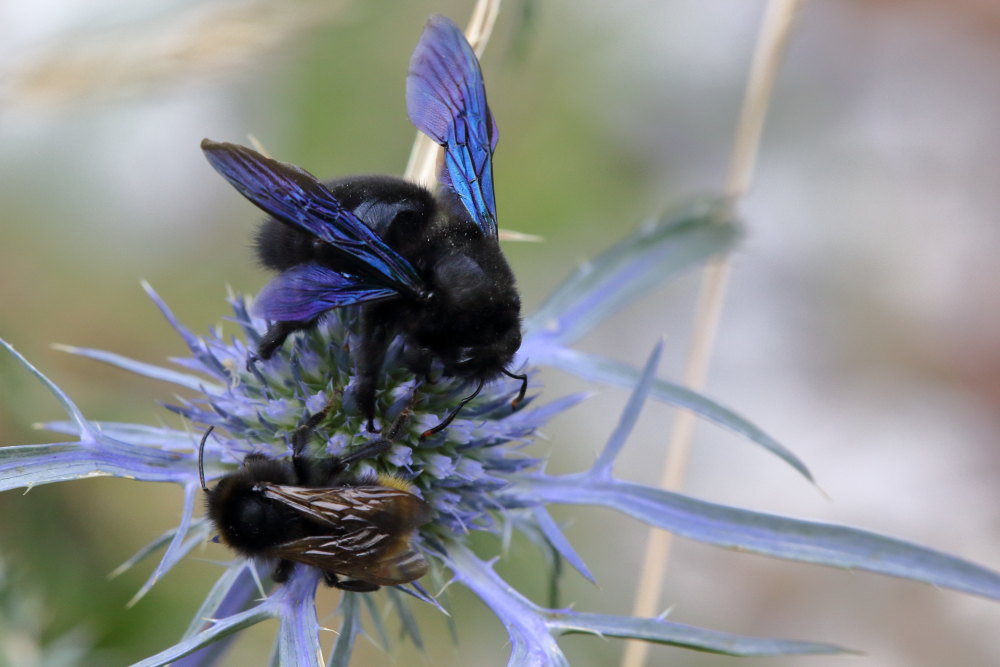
(305, 292)
(297, 198)
(446, 100)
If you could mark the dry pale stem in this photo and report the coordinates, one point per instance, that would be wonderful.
(771, 42)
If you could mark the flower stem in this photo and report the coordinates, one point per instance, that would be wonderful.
(771, 43)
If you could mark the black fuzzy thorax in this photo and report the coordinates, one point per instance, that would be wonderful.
(395, 209)
(251, 523)
(467, 317)
(247, 521)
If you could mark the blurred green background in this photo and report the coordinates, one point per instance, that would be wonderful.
(861, 327)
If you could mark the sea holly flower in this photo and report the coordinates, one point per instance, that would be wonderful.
(479, 474)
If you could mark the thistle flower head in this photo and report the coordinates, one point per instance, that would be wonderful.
(475, 475)
(308, 387)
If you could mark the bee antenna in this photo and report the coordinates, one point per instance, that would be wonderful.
(523, 377)
(454, 413)
(201, 458)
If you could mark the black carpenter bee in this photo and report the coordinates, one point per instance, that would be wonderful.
(426, 268)
(312, 513)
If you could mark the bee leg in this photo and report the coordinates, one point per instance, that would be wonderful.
(399, 425)
(302, 434)
(275, 337)
(371, 355)
(353, 585)
(305, 471)
(377, 447)
(356, 586)
(420, 361)
(369, 450)
(282, 571)
(252, 358)
(454, 413)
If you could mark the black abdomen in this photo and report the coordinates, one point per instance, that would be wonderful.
(396, 210)
(280, 246)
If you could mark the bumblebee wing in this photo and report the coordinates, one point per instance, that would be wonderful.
(346, 507)
(367, 554)
(297, 198)
(305, 292)
(364, 531)
(446, 100)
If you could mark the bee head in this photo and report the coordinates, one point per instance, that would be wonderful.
(247, 520)
(485, 359)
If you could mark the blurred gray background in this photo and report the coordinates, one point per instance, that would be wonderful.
(862, 327)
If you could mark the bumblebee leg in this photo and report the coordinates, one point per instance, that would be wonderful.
(353, 585)
(421, 362)
(307, 471)
(275, 337)
(282, 571)
(370, 356)
(300, 438)
(369, 450)
(376, 447)
(399, 424)
(356, 586)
